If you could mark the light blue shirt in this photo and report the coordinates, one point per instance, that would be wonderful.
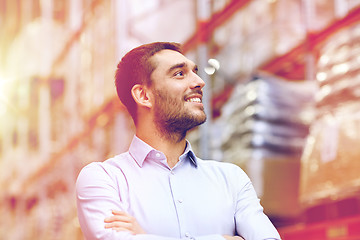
(196, 199)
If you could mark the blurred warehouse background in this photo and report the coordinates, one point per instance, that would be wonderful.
(283, 91)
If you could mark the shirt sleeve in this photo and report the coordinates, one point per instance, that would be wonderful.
(96, 195)
(251, 222)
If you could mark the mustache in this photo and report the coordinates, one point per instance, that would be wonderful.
(196, 91)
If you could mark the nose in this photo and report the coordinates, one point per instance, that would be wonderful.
(197, 81)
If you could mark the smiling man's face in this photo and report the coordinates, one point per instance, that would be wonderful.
(177, 91)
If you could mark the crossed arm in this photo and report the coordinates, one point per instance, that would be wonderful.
(121, 221)
(96, 193)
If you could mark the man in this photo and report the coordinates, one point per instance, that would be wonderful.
(159, 189)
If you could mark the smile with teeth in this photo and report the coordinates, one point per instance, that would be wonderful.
(198, 100)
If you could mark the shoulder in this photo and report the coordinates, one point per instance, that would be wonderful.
(225, 169)
(227, 175)
(100, 172)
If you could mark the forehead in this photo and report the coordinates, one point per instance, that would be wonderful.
(166, 58)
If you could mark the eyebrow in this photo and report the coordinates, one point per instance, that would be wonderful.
(179, 65)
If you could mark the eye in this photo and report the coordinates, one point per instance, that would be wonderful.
(179, 74)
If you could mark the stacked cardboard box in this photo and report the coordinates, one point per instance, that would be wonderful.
(331, 160)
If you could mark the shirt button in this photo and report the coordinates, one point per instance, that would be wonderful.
(172, 172)
(187, 234)
(180, 201)
(158, 155)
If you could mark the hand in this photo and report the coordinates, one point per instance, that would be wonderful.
(233, 237)
(121, 221)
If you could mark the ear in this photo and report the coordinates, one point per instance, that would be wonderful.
(141, 95)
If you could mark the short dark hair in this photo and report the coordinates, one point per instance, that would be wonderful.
(136, 68)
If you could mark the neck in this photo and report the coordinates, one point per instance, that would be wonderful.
(172, 145)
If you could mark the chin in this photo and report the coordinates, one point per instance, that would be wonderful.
(201, 119)
(203, 116)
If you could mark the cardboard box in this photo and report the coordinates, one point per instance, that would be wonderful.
(280, 193)
(330, 165)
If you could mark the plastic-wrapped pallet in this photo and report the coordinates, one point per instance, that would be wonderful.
(265, 124)
(267, 113)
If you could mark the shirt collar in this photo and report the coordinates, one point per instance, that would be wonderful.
(190, 153)
(140, 150)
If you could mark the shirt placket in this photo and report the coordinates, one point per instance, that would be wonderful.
(179, 203)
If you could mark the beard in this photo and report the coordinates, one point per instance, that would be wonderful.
(171, 117)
